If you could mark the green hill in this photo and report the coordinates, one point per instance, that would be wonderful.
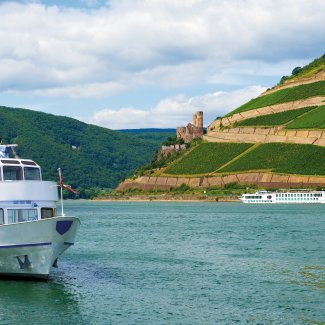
(263, 140)
(90, 156)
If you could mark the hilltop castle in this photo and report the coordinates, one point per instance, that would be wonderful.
(192, 130)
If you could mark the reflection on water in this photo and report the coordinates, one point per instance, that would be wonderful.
(312, 276)
(35, 302)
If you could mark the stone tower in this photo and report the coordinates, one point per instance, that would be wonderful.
(191, 131)
(198, 120)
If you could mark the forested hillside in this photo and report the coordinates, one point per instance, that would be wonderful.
(90, 156)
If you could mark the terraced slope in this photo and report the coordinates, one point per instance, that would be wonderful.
(289, 113)
(314, 119)
(284, 96)
(275, 140)
(282, 158)
(294, 159)
(215, 155)
(276, 119)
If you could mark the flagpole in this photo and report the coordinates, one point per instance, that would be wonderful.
(61, 187)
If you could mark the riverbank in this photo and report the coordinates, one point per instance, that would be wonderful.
(170, 198)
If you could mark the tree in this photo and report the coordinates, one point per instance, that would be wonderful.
(296, 71)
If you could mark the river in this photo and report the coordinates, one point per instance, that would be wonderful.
(181, 263)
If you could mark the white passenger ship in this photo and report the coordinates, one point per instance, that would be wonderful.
(32, 236)
(292, 196)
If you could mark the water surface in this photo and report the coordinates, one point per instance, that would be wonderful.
(181, 263)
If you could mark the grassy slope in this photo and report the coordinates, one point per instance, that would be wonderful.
(284, 96)
(206, 158)
(315, 119)
(293, 159)
(282, 158)
(275, 119)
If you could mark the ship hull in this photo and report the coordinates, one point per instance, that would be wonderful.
(29, 249)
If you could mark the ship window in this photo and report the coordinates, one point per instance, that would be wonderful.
(48, 213)
(12, 173)
(21, 215)
(32, 174)
(7, 161)
(29, 163)
(1, 217)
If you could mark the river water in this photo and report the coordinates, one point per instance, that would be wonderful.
(181, 263)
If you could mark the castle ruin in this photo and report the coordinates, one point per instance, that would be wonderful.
(191, 130)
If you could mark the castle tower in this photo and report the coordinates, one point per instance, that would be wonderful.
(198, 120)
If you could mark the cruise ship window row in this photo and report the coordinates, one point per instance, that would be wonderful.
(23, 215)
(18, 173)
(299, 195)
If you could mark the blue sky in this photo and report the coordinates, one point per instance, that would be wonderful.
(151, 63)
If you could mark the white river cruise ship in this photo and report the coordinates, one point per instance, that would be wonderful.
(291, 196)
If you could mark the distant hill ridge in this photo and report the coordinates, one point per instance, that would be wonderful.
(90, 156)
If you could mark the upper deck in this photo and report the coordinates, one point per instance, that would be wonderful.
(21, 179)
(19, 170)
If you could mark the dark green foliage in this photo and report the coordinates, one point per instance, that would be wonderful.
(157, 162)
(283, 96)
(296, 71)
(313, 120)
(183, 188)
(154, 136)
(311, 68)
(172, 140)
(283, 79)
(275, 119)
(206, 158)
(102, 157)
(282, 158)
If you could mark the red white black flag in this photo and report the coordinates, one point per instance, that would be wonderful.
(68, 187)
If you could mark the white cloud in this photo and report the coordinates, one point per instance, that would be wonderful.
(122, 119)
(59, 51)
(175, 111)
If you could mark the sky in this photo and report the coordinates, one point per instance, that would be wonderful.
(151, 63)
